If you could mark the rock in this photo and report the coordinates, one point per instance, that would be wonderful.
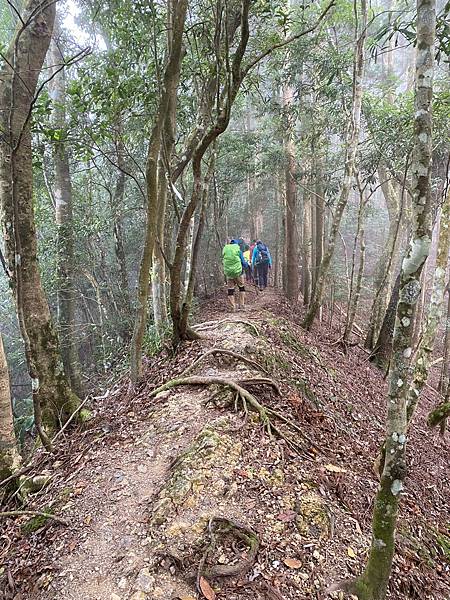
(144, 581)
(139, 596)
(122, 583)
(115, 597)
(142, 469)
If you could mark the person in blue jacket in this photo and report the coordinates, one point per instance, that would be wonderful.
(261, 263)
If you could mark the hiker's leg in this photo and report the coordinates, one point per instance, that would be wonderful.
(260, 271)
(231, 299)
(241, 291)
(266, 272)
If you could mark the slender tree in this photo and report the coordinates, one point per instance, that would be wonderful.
(169, 90)
(435, 310)
(351, 145)
(291, 208)
(372, 585)
(62, 193)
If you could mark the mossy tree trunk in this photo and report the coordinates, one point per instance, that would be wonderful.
(10, 459)
(351, 146)
(307, 246)
(372, 585)
(51, 390)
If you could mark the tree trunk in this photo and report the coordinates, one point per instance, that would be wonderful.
(319, 204)
(444, 379)
(181, 329)
(170, 85)
(355, 286)
(381, 356)
(291, 240)
(51, 390)
(434, 316)
(159, 266)
(307, 246)
(117, 205)
(10, 459)
(387, 260)
(64, 221)
(189, 295)
(352, 139)
(372, 585)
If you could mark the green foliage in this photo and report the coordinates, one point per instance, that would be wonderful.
(154, 341)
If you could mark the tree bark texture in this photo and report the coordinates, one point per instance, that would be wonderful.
(18, 83)
(372, 585)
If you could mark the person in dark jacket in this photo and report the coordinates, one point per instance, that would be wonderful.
(261, 263)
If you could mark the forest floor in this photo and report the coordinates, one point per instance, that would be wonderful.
(162, 495)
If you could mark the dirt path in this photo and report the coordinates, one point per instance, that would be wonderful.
(112, 551)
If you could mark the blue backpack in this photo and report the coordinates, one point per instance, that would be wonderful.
(262, 257)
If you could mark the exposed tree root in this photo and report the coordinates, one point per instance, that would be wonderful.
(221, 526)
(32, 513)
(298, 429)
(260, 381)
(246, 398)
(215, 351)
(214, 324)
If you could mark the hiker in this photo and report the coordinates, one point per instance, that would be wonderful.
(252, 268)
(248, 260)
(261, 262)
(233, 265)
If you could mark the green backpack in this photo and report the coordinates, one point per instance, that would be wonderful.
(232, 266)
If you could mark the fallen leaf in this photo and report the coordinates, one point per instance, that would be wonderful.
(351, 552)
(292, 563)
(207, 590)
(335, 469)
(287, 516)
(88, 519)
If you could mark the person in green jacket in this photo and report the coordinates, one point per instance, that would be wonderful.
(233, 268)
